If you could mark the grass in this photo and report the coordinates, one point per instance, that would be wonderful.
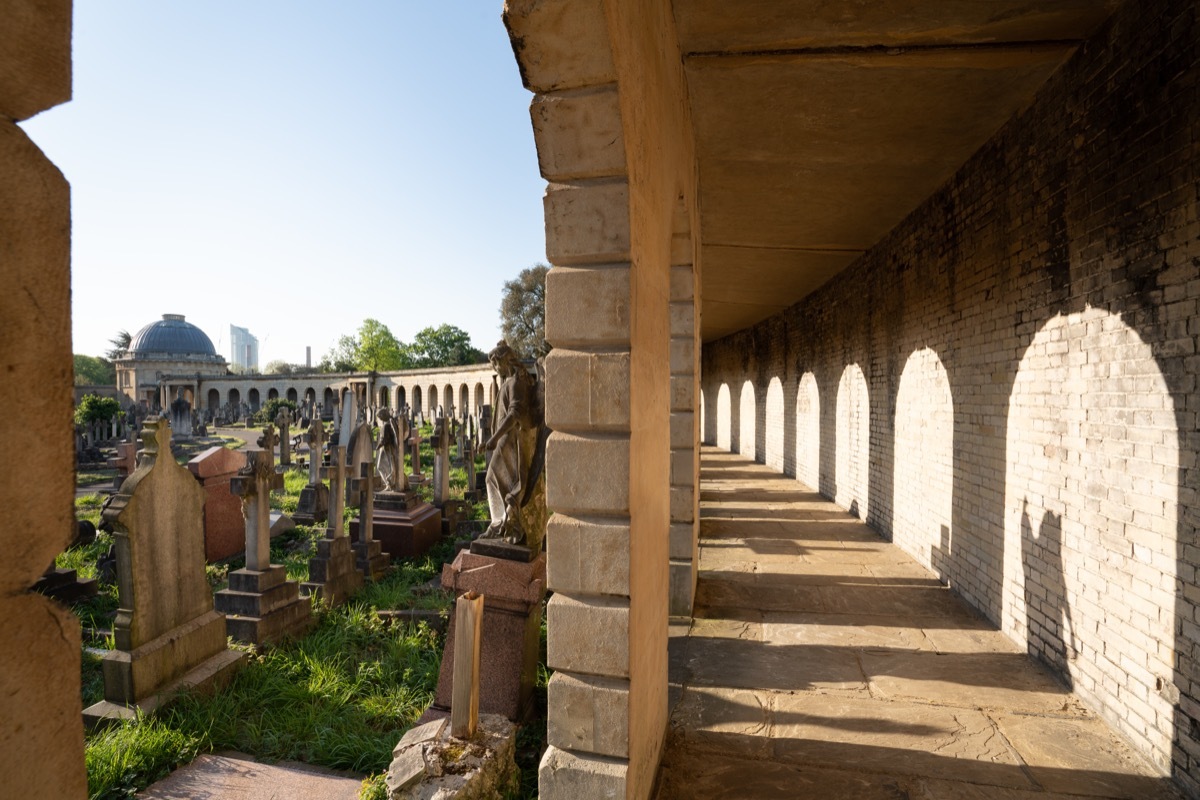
(90, 477)
(340, 697)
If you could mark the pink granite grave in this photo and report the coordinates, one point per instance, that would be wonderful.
(512, 617)
(224, 527)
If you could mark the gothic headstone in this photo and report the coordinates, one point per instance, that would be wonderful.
(332, 572)
(167, 634)
(313, 506)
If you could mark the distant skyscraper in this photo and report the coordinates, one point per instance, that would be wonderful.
(245, 348)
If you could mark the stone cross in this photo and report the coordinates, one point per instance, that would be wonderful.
(254, 484)
(468, 454)
(441, 461)
(316, 449)
(364, 486)
(414, 442)
(283, 419)
(336, 471)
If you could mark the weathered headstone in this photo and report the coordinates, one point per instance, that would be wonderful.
(485, 433)
(283, 420)
(440, 441)
(181, 417)
(332, 573)
(260, 604)
(224, 531)
(167, 634)
(313, 506)
(124, 463)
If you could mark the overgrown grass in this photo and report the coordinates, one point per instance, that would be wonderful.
(91, 476)
(341, 697)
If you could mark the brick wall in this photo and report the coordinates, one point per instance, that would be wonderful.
(1006, 384)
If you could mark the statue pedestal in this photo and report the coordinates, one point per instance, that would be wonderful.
(263, 606)
(404, 524)
(512, 618)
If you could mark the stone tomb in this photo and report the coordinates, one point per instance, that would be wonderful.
(332, 572)
(261, 604)
(512, 618)
(404, 525)
(167, 634)
(224, 529)
(125, 462)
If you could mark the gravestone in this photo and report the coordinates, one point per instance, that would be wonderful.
(332, 573)
(440, 442)
(181, 417)
(414, 444)
(485, 433)
(283, 420)
(261, 604)
(224, 530)
(370, 559)
(167, 634)
(512, 618)
(125, 462)
(313, 506)
(469, 463)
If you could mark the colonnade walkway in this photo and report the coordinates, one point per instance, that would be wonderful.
(823, 662)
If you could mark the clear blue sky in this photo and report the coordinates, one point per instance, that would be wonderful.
(294, 167)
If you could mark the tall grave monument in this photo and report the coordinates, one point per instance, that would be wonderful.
(261, 604)
(167, 634)
(313, 506)
(370, 559)
(332, 573)
(506, 563)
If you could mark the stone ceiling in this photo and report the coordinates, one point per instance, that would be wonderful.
(820, 124)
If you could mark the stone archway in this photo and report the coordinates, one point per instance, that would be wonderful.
(923, 474)
(773, 455)
(1090, 516)
(724, 422)
(852, 456)
(808, 431)
(746, 444)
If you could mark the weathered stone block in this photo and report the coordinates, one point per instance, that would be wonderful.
(683, 430)
(683, 319)
(589, 713)
(588, 306)
(41, 740)
(35, 62)
(575, 625)
(683, 284)
(588, 556)
(587, 390)
(683, 467)
(35, 222)
(682, 588)
(587, 473)
(560, 44)
(683, 392)
(564, 774)
(683, 540)
(578, 134)
(683, 499)
(587, 223)
(683, 356)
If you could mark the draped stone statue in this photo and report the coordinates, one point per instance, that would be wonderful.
(515, 487)
(388, 461)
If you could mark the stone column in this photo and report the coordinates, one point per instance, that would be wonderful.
(618, 156)
(685, 423)
(41, 738)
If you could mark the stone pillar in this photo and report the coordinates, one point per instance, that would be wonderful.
(440, 442)
(685, 423)
(618, 156)
(41, 738)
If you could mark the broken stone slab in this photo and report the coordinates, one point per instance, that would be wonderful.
(430, 764)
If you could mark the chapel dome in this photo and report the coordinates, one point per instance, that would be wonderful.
(171, 335)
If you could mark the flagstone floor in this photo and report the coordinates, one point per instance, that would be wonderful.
(823, 662)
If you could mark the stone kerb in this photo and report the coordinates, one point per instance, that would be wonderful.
(167, 633)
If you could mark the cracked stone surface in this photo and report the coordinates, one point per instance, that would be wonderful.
(824, 662)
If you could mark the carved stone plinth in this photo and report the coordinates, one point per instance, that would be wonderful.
(263, 606)
(404, 524)
(332, 573)
(369, 558)
(512, 618)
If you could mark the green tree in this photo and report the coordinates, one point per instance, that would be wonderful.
(379, 350)
(93, 371)
(278, 367)
(342, 357)
(96, 409)
(523, 312)
(120, 345)
(444, 346)
(271, 409)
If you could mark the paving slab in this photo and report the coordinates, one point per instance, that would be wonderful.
(238, 777)
(825, 662)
